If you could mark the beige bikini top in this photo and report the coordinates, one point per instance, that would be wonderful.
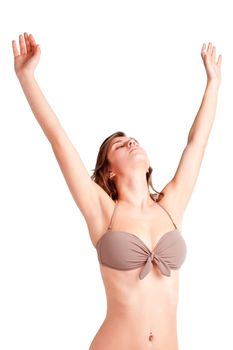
(122, 250)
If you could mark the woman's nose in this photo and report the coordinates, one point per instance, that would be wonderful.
(131, 142)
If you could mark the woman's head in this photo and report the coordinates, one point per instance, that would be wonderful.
(120, 155)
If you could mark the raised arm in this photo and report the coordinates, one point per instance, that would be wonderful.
(25, 63)
(178, 191)
(85, 191)
(203, 122)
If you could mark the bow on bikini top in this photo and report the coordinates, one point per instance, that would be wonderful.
(122, 250)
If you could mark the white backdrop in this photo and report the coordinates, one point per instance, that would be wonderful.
(105, 66)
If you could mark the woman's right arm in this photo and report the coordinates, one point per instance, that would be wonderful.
(87, 194)
(41, 108)
(25, 62)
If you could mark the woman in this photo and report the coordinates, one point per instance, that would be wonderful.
(137, 234)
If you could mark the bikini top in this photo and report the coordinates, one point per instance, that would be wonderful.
(122, 250)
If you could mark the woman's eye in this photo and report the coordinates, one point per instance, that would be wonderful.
(120, 146)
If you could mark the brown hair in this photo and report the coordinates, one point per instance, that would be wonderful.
(100, 173)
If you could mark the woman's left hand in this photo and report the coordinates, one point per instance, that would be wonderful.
(213, 69)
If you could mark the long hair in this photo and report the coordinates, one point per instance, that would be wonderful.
(100, 173)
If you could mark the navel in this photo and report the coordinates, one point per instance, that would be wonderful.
(151, 336)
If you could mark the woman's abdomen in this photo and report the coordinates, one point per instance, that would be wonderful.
(137, 332)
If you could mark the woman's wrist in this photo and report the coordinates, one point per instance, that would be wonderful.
(25, 75)
(214, 82)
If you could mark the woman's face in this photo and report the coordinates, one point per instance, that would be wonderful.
(125, 154)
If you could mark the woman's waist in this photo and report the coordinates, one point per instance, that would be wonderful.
(142, 321)
(135, 333)
(136, 308)
(133, 300)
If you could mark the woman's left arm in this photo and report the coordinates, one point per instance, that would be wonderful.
(202, 124)
(178, 191)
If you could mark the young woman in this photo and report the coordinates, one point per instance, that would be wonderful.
(136, 234)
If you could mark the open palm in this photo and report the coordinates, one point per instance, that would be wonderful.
(27, 59)
(213, 69)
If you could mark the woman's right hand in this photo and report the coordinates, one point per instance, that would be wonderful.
(26, 61)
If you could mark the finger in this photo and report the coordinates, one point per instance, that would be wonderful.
(219, 60)
(203, 50)
(28, 46)
(214, 53)
(15, 49)
(209, 48)
(32, 41)
(22, 45)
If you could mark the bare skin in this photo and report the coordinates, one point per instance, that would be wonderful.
(141, 314)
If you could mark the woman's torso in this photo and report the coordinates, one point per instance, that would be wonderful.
(141, 313)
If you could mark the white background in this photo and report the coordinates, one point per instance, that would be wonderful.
(106, 66)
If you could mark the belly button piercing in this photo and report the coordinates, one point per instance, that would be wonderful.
(150, 336)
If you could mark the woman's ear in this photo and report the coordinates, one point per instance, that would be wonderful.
(111, 174)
